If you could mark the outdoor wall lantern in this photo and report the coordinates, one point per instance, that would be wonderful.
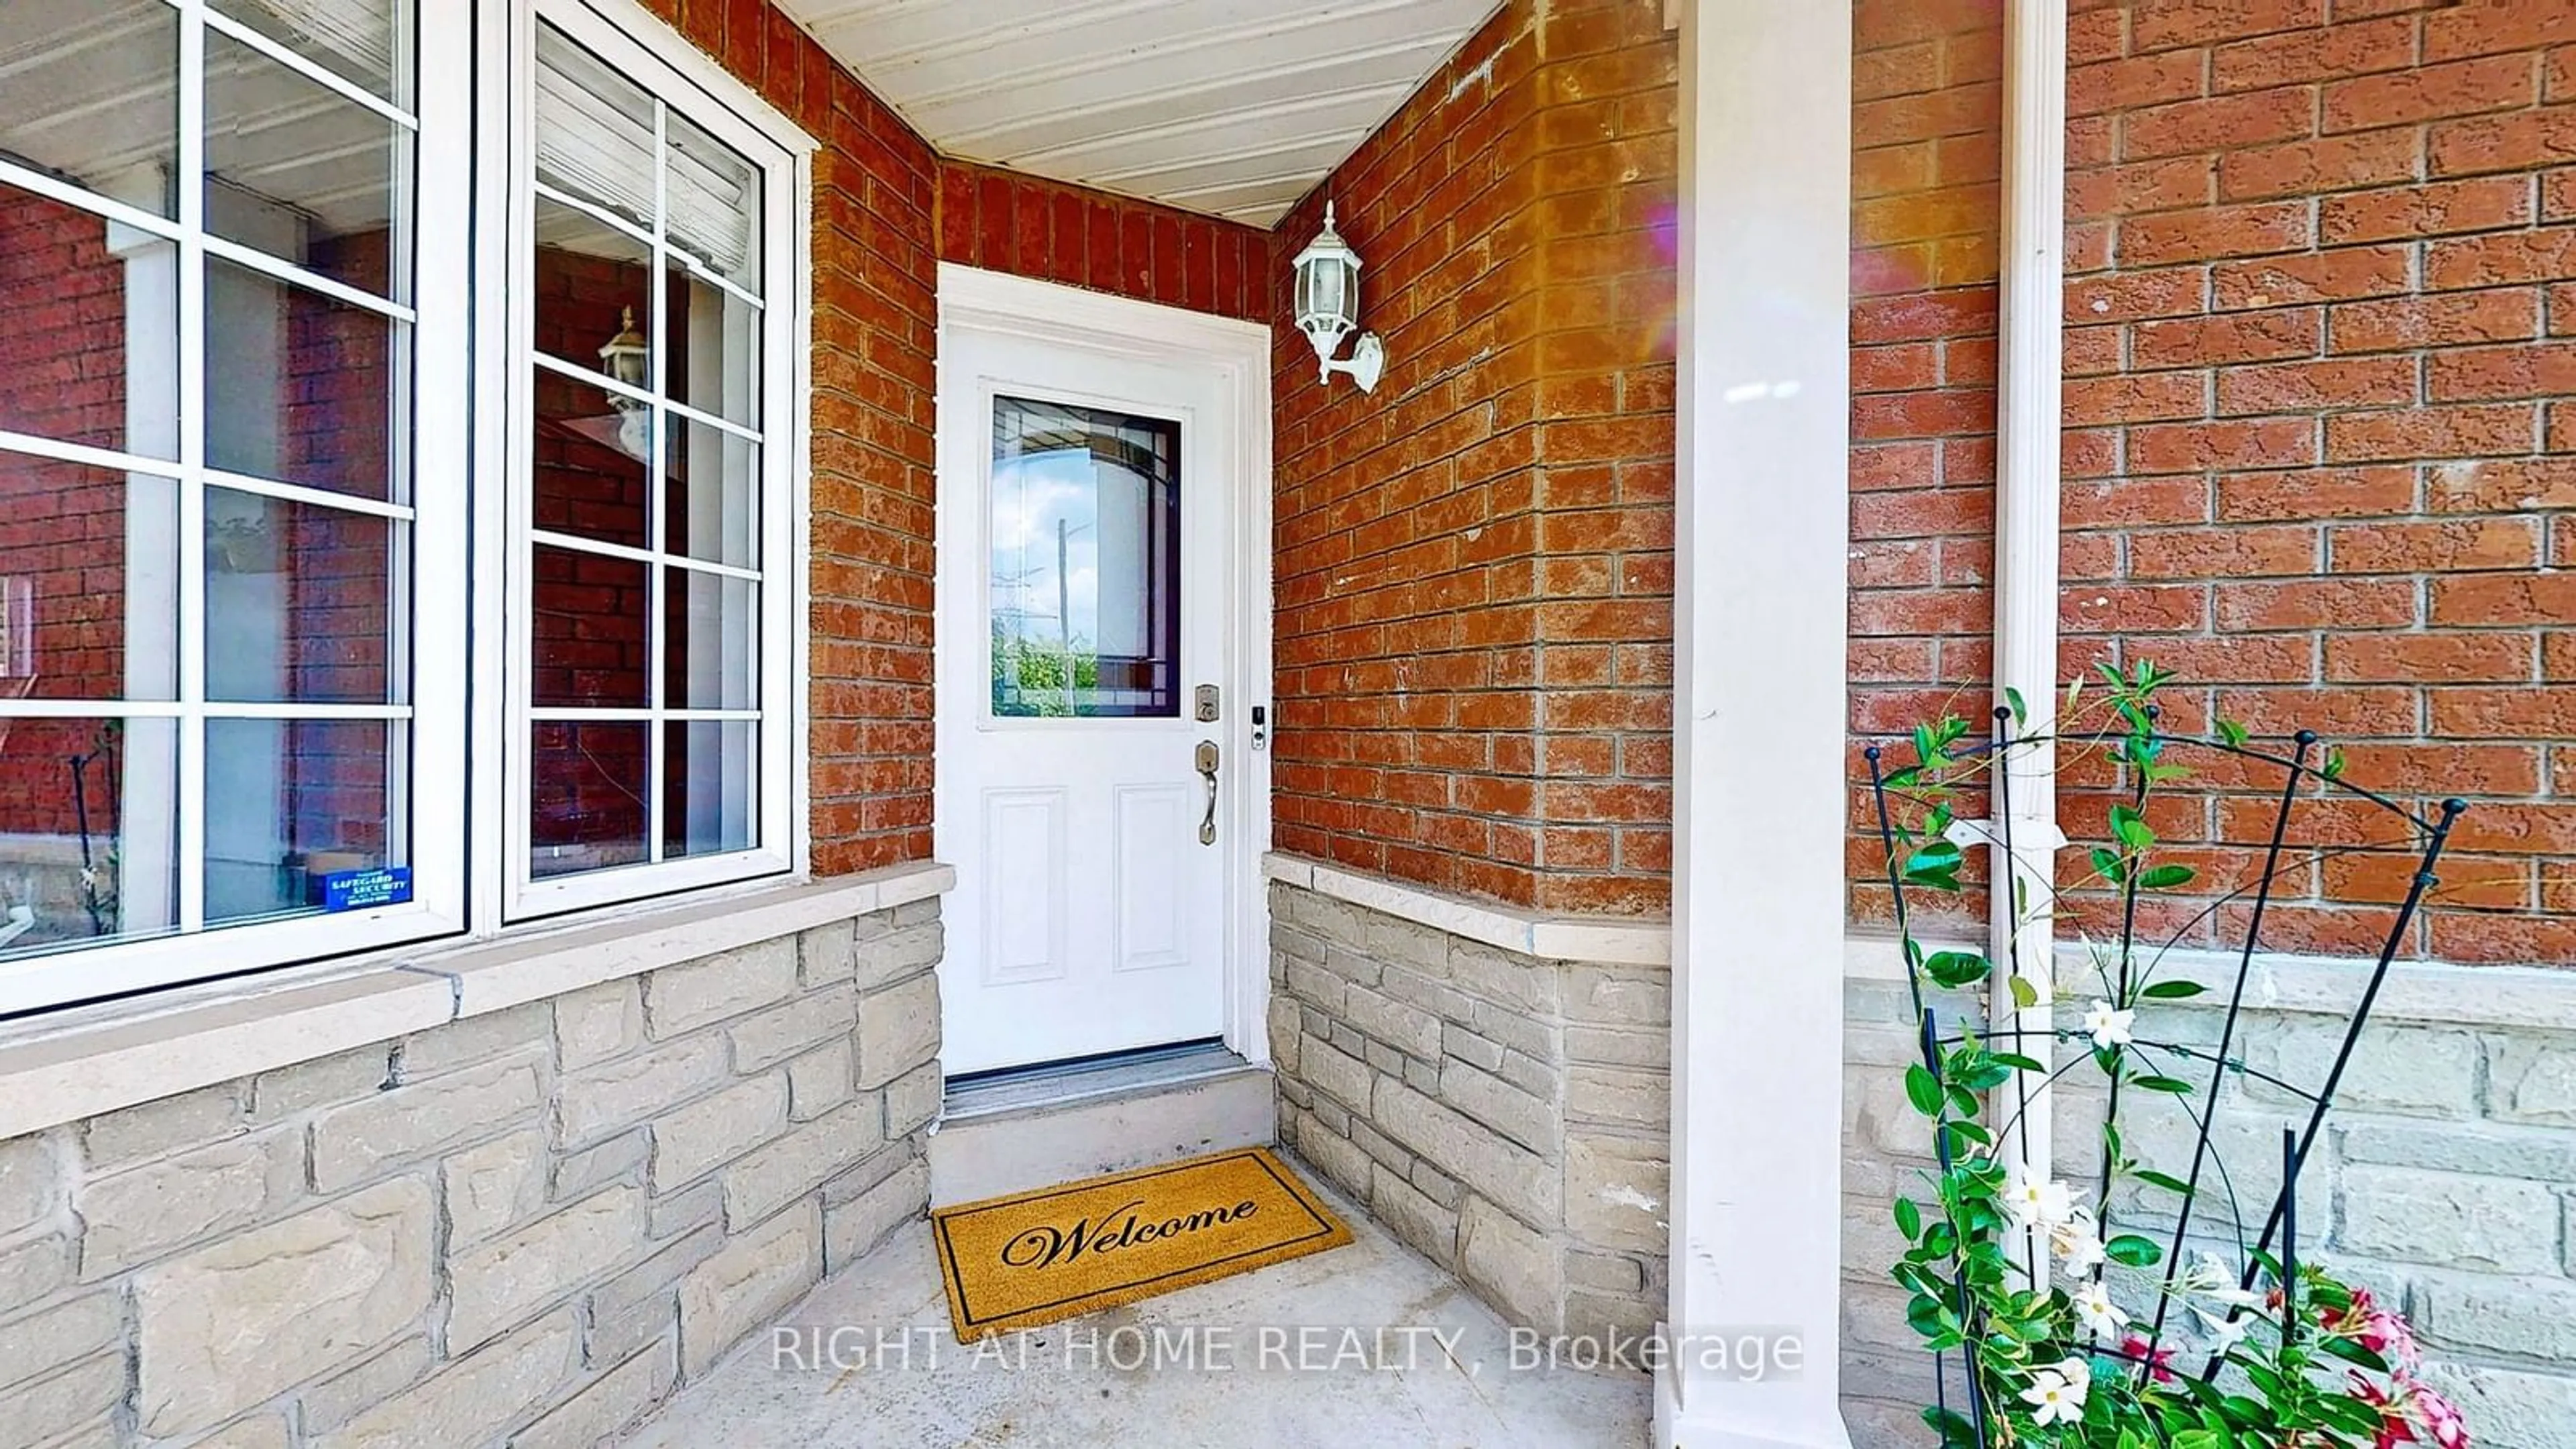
(628, 359)
(1328, 307)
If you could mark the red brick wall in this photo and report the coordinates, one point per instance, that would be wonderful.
(1474, 564)
(877, 241)
(2322, 269)
(1002, 220)
(64, 298)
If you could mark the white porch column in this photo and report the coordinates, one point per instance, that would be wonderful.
(1762, 533)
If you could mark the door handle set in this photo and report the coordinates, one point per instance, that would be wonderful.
(1206, 761)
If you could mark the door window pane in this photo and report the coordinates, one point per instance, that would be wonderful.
(88, 832)
(1085, 583)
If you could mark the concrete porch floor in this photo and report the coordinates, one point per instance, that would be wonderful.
(1286, 1357)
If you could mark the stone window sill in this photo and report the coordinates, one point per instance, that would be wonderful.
(66, 1065)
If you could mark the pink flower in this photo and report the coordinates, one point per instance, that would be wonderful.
(2442, 1417)
(2159, 1361)
(2386, 1334)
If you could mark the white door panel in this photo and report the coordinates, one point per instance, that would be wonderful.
(1083, 537)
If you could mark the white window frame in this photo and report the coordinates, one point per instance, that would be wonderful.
(434, 643)
(469, 666)
(682, 78)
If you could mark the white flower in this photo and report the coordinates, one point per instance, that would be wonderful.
(2041, 1205)
(2211, 1278)
(2225, 1330)
(2109, 1025)
(2078, 1241)
(2093, 1306)
(2057, 1394)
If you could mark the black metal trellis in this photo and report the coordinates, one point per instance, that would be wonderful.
(2300, 779)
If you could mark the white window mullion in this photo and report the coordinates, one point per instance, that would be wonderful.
(656, 606)
(191, 182)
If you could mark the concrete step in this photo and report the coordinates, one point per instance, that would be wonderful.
(1031, 1130)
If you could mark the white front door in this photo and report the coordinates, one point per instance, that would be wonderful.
(1083, 585)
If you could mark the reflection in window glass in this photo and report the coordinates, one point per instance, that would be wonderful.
(89, 580)
(1086, 569)
(587, 810)
(88, 831)
(60, 57)
(89, 313)
(291, 803)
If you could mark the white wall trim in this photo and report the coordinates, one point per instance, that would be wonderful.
(64, 1066)
(1025, 307)
(1604, 939)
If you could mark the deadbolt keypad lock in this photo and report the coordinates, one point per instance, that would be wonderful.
(1206, 704)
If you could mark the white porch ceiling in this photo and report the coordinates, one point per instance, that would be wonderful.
(1235, 108)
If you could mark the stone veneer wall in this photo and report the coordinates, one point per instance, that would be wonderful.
(1504, 1115)
(527, 1226)
(2446, 1177)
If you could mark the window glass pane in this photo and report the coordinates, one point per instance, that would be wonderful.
(710, 787)
(299, 387)
(711, 630)
(712, 359)
(589, 620)
(587, 810)
(715, 203)
(88, 832)
(594, 130)
(291, 802)
(89, 576)
(297, 601)
(711, 504)
(89, 328)
(91, 95)
(594, 287)
(589, 478)
(299, 171)
(1086, 572)
(361, 40)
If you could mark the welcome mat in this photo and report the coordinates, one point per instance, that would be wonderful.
(1036, 1257)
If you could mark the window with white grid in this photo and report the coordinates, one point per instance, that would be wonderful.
(652, 489)
(398, 418)
(218, 487)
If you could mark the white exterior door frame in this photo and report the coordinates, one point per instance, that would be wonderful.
(1762, 536)
(1238, 353)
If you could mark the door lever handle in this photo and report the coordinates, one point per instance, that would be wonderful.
(1207, 771)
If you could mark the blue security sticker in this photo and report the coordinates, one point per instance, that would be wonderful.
(355, 890)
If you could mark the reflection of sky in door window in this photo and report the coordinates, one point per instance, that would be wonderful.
(1085, 572)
